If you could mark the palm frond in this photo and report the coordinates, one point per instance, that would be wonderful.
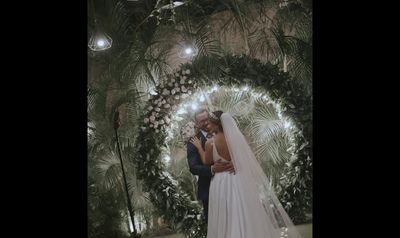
(265, 122)
(108, 170)
(238, 103)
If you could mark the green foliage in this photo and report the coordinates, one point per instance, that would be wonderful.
(138, 60)
(104, 217)
(241, 71)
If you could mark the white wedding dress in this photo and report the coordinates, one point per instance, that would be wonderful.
(242, 205)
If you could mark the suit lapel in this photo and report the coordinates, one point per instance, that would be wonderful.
(203, 139)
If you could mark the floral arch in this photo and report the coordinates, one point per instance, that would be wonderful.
(295, 101)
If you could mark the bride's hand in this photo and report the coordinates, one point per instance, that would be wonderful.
(196, 142)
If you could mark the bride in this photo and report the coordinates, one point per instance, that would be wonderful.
(241, 204)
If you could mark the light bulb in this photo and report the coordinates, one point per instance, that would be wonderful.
(167, 158)
(188, 51)
(100, 43)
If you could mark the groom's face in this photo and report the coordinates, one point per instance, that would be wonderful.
(202, 121)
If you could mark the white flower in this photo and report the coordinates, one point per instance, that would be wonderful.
(177, 89)
(151, 125)
(150, 108)
(177, 97)
(153, 113)
(170, 84)
(183, 77)
(176, 84)
(183, 72)
(155, 124)
(167, 120)
(172, 91)
(165, 92)
(159, 104)
(188, 71)
(184, 89)
(158, 109)
(176, 74)
(155, 102)
(172, 80)
(157, 114)
(146, 120)
(143, 128)
(161, 122)
(174, 107)
(189, 92)
(166, 105)
(190, 81)
(184, 95)
(182, 81)
(152, 118)
(157, 130)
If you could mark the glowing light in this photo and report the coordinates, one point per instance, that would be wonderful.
(153, 92)
(188, 51)
(194, 106)
(287, 124)
(170, 6)
(100, 43)
(215, 88)
(167, 158)
(202, 98)
(181, 111)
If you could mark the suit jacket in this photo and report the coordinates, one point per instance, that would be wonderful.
(197, 167)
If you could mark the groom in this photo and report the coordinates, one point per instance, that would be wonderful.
(205, 172)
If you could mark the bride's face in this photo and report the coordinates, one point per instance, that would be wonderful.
(212, 127)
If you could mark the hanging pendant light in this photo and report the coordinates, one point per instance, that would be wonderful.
(188, 51)
(100, 41)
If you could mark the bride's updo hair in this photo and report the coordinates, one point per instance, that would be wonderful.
(215, 117)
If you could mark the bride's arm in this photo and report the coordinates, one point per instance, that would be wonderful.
(205, 156)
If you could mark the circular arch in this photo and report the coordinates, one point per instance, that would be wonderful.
(241, 71)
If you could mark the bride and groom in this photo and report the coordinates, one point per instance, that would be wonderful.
(237, 198)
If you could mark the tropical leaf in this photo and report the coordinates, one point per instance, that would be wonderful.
(108, 170)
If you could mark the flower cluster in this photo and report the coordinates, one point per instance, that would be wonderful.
(170, 92)
(188, 131)
(296, 186)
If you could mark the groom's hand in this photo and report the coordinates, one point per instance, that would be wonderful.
(221, 166)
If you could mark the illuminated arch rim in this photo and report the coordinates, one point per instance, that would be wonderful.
(234, 71)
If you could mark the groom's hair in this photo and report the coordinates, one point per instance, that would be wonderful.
(199, 111)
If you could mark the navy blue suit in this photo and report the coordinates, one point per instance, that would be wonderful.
(197, 167)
